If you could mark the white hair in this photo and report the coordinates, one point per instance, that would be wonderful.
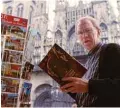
(93, 21)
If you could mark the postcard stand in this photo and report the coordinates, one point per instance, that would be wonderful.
(13, 31)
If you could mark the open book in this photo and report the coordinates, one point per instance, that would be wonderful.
(58, 64)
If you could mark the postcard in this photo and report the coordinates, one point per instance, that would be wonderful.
(14, 43)
(12, 56)
(13, 25)
(25, 92)
(26, 74)
(9, 100)
(9, 85)
(11, 70)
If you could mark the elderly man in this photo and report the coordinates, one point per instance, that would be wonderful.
(100, 85)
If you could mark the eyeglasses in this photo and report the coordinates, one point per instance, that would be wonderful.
(87, 31)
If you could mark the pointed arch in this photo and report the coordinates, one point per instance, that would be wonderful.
(9, 10)
(20, 8)
(78, 49)
(42, 87)
(31, 14)
(40, 100)
(103, 26)
(104, 32)
(58, 37)
(114, 22)
(71, 31)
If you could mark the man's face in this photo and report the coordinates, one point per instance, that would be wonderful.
(87, 34)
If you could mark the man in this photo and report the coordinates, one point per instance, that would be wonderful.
(100, 85)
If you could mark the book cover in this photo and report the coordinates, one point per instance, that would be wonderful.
(58, 64)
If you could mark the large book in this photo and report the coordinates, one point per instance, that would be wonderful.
(58, 64)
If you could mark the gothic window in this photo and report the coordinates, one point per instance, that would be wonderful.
(20, 10)
(84, 12)
(38, 36)
(41, 5)
(76, 13)
(58, 37)
(104, 33)
(68, 22)
(114, 28)
(87, 11)
(71, 39)
(9, 10)
(116, 32)
(42, 8)
(90, 10)
(43, 87)
(117, 39)
(78, 49)
(68, 14)
(73, 13)
(30, 14)
(73, 20)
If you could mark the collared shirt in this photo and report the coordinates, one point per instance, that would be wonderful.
(84, 99)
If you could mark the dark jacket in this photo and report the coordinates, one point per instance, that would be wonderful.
(107, 87)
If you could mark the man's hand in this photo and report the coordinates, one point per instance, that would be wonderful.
(75, 85)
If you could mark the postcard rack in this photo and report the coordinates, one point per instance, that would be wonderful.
(15, 72)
